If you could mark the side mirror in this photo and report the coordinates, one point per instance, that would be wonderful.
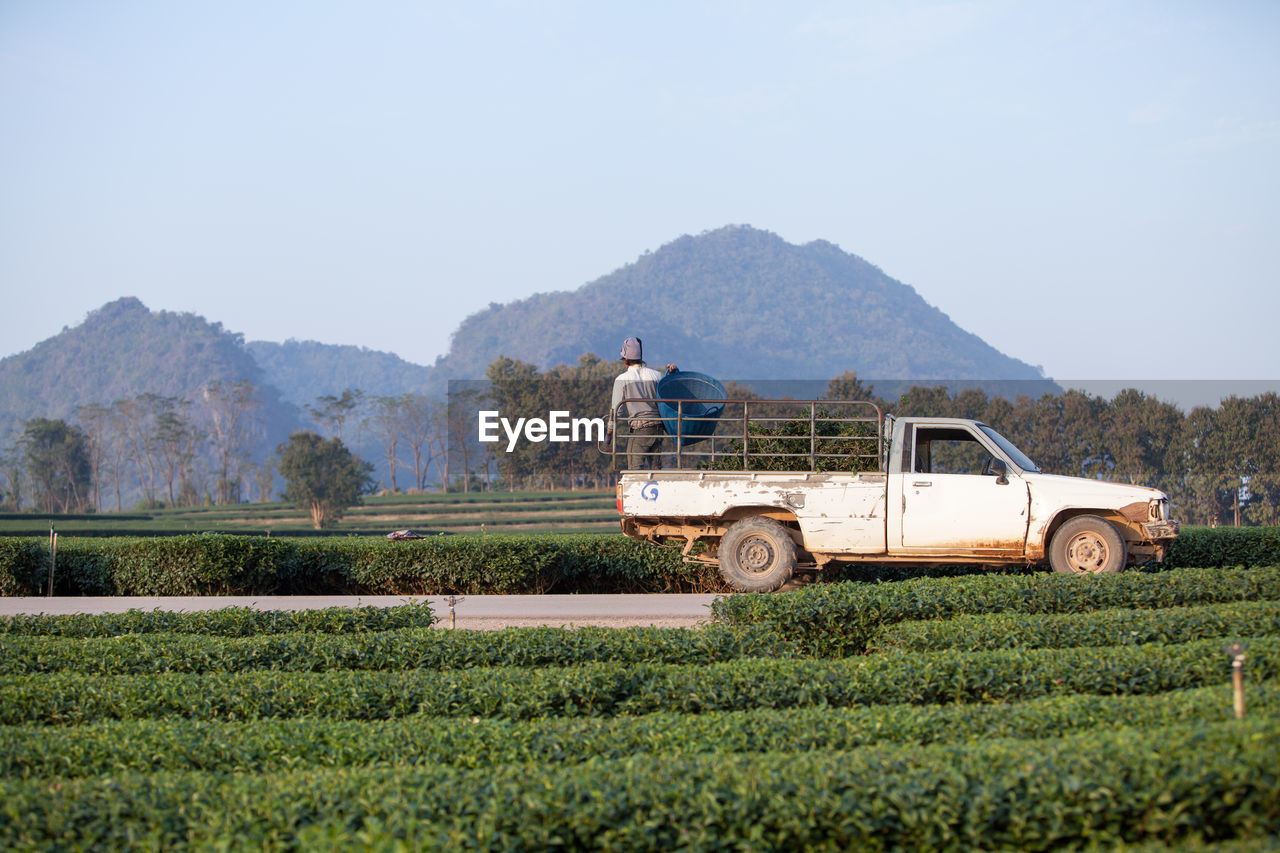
(1001, 471)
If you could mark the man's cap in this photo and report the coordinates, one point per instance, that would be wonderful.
(631, 350)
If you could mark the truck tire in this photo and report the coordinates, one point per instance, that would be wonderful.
(757, 555)
(1087, 545)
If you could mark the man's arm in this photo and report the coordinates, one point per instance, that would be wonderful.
(614, 400)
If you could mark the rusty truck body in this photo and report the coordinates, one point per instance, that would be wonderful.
(783, 488)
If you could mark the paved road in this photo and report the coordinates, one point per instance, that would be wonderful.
(472, 611)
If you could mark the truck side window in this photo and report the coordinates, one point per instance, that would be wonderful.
(948, 450)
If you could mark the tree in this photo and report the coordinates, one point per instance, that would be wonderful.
(95, 420)
(460, 415)
(1264, 485)
(138, 416)
(115, 450)
(264, 474)
(323, 476)
(231, 408)
(11, 469)
(417, 426)
(1081, 429)
(1235, 445)
(513, 389)
(1141, 435)
(583, 390)
(921, 401)
(386, 414)
(970, 403)
(439, 443)
(847, 386)
(58, 466)
(332, 412)
(177, 440)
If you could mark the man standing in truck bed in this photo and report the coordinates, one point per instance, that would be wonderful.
(644, 443)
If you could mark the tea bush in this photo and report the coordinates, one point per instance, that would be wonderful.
(261, 745)
(841, 618)
(1099, 789)
(1119, 627)
(220, 564)
(604, 689)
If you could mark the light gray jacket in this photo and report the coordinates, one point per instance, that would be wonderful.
(638, 380)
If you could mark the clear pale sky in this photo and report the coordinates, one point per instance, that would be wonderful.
(1091, 187)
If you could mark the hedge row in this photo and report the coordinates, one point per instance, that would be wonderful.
(1224, 546)
(1101, 628)
(841, 618)
(240, 639)
(223, 622)
(216, 564)
(1098, 789)
(605, 689)
(413, 648)
(265, 745)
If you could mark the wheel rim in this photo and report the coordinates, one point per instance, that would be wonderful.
(756, 555)
(1087, 552)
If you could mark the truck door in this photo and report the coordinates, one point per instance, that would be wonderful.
(954, 500)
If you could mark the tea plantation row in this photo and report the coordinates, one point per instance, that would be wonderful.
(218, 564)
(1027, 712)
(474, 512)
(421, 648)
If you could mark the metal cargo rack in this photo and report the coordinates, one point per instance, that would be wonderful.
(753, 435)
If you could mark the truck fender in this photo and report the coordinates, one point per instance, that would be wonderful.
(1039, 550)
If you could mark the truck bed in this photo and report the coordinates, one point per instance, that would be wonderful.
(838, 512)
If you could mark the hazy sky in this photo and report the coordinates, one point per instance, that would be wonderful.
(1090, 187)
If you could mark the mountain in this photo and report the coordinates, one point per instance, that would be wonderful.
(122, 350)
(738, 303)
(306, 370)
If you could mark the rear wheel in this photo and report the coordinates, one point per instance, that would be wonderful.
(757, 555)
(1087, 545)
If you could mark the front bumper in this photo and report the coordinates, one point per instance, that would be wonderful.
(1157, 530)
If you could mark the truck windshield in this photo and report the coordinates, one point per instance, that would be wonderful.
(1019, 458)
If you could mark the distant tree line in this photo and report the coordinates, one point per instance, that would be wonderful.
(412, 430)
(1218, 464)
(434, 443)
(170, 451)
(518, 390)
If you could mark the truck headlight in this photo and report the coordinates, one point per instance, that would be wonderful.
(1158, 509)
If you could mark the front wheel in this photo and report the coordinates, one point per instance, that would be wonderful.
(757, 555)
(1085, 545)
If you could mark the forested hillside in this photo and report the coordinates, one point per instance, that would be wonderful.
(306, 370)
(739, 303)
(176, 446)
(148, 389)
(149, 373)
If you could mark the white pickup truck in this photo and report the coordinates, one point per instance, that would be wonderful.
(782, 488)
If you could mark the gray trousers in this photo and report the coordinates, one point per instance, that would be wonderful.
(644, 447)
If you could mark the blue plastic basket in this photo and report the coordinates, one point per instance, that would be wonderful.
(694, 421)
